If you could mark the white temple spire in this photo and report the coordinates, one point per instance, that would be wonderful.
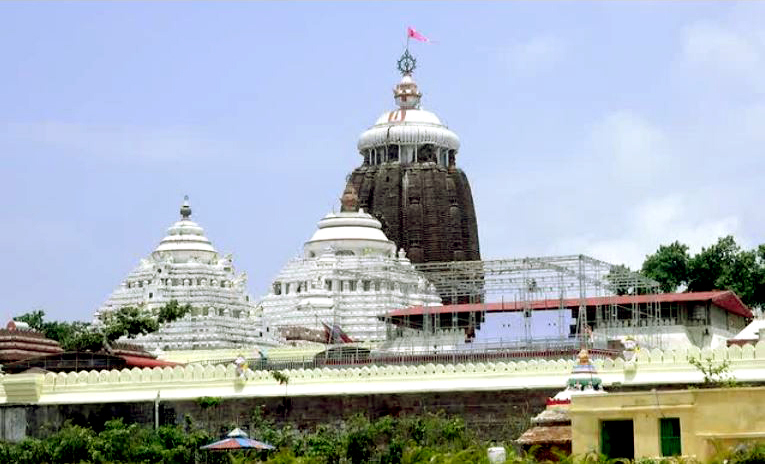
(185, 267)
(185, 208)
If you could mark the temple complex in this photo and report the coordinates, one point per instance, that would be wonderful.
(410, 182)
(350, 273)
(186, 267)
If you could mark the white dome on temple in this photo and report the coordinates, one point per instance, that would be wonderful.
(398, 135)
(349, 232)
(349, 276)
(185, 240)
(186, 267)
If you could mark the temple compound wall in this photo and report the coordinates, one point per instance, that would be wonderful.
(493, 413)
(455, 387)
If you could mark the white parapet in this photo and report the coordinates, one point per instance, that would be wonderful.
(647, 368)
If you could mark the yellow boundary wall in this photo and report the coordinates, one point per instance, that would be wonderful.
(195, 380)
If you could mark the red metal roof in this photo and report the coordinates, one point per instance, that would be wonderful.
(725, 299)
(138, 361)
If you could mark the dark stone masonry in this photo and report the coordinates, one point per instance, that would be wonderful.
(427, 209)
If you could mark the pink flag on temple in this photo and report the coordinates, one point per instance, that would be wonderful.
(410, 32)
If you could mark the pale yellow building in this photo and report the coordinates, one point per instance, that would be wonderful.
(654, 423)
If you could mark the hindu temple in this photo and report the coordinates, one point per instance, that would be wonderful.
(186, 267)
(410, 182)
(349, 276)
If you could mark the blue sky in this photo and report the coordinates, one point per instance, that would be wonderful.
(598, 128)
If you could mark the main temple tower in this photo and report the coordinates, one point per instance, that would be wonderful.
(410, 181)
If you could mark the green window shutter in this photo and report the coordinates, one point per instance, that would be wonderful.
(669, 430)
(605, 439)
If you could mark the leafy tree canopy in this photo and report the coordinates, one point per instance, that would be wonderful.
(722, 266)
(668, 266)
(618, 279)
(127, 321)
(172, 311)
(710, 267)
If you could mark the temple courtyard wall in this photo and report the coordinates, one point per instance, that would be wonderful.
(490, 396)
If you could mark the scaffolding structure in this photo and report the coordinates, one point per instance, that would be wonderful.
(565, 284)
(531, 284)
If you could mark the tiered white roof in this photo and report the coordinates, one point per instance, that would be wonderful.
(349, 275)
(407, 128)
(186, 267)
(354, 232)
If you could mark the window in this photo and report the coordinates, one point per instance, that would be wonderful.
(617, 439)
(669, 433)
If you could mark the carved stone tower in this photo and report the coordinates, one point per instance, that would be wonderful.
(409, 180)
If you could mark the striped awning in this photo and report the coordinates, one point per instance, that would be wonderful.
(238, 443)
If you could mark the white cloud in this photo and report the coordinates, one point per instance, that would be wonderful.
(727, 54)
(715, 46)
(649, 224)
(118, 142)
(535, 55)
(632, 146)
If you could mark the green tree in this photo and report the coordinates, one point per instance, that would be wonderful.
(758, 277)
(725, 266)
(127, 321)
(35, 319)
(619, 279)
(172, 311)
(708, 267)
(668, 266)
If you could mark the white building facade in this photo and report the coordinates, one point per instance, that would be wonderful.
(187, 268)
(350, 275)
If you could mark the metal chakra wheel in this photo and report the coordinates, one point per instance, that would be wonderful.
(407, 63)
